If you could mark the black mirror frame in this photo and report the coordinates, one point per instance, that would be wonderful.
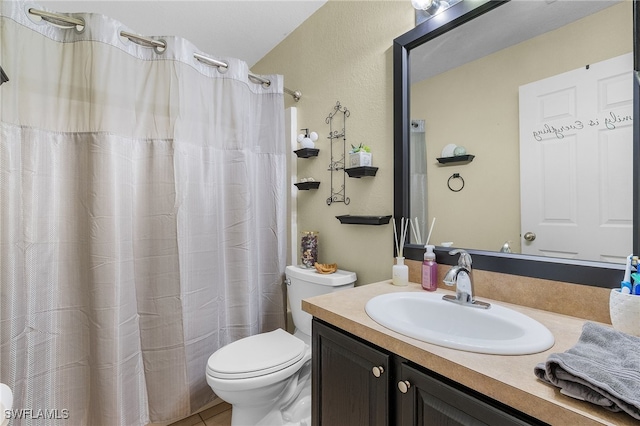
(599, 274)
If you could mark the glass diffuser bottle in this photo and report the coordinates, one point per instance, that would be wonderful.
(400, 273)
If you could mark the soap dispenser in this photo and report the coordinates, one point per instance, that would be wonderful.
(429, 270)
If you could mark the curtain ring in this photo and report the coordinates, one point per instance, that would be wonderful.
(455, 176)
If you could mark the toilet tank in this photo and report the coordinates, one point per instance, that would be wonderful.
(303, 283)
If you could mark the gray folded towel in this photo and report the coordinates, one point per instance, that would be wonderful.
(602, 368)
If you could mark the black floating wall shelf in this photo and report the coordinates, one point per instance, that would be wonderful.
(358, 172)
(364, 220)
(307, 152)
(456, 159)
(303, 186)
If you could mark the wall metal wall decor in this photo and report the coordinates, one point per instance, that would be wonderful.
(338, 155)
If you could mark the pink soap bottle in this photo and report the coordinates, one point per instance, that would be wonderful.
(429, 270)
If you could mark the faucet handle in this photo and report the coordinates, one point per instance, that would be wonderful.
(465, 258)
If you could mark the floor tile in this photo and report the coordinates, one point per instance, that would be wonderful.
(215, 410)
(221, 419)
(194, 420)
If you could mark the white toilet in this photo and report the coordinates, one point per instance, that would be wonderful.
(6, 403)
(267, 377)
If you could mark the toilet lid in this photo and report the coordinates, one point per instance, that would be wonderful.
(256, 355)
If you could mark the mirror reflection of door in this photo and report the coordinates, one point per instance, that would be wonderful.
(576, 134)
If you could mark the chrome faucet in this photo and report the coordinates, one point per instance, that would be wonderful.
(461, 276)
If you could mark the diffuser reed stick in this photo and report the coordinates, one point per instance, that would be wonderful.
(416, 231)
(404, 226)
(433, 222)
(395, 235)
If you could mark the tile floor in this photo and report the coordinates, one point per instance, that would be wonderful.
(219, 415)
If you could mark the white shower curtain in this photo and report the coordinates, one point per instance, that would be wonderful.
(142, 220)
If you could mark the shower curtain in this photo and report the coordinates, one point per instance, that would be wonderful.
(142, 220)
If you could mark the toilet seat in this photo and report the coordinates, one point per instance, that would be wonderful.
(256, 356)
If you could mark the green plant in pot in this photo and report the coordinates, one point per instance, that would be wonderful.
(360, 156)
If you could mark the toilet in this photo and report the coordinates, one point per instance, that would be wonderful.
(267, 377)
(6, 403)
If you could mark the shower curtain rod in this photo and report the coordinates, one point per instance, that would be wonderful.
(159, 45)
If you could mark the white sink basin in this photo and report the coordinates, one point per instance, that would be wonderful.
(426, 317)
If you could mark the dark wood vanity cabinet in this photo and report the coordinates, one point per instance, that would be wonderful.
(433, 400)
(350, 380)
(356, 383)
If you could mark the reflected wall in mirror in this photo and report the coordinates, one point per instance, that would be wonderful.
(459, 104)
(465, 92)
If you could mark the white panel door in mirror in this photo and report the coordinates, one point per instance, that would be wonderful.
(582, 117)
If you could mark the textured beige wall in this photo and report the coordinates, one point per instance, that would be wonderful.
(486, 123)
(344, 53)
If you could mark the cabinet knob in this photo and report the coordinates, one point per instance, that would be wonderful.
(404, 386)
(377, 371)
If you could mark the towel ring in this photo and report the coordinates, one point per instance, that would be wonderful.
(455, 176)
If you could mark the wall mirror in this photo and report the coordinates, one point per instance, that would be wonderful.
(458, 80)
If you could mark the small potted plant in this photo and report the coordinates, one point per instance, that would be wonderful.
(359, 156)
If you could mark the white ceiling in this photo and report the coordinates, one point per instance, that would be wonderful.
(244, 29)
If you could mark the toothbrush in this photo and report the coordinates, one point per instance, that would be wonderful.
(635, 283)
(625, 285)
(635, 278)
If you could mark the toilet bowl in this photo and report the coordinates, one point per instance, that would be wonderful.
(6, 403)
(267, 377)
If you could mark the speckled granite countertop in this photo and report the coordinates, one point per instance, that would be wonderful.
(508, 379)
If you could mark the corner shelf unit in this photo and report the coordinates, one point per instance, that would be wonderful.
(307, 153)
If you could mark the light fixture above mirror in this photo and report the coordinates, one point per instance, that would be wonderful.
(426, 9)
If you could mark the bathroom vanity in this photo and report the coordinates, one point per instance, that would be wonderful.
(354, 382)
(366, 374)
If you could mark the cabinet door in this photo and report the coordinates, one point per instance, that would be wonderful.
(350, 380)
(430, 401)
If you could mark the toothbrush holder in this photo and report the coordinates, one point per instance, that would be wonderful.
(625, 312)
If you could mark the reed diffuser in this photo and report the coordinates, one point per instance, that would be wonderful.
(400, 271)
